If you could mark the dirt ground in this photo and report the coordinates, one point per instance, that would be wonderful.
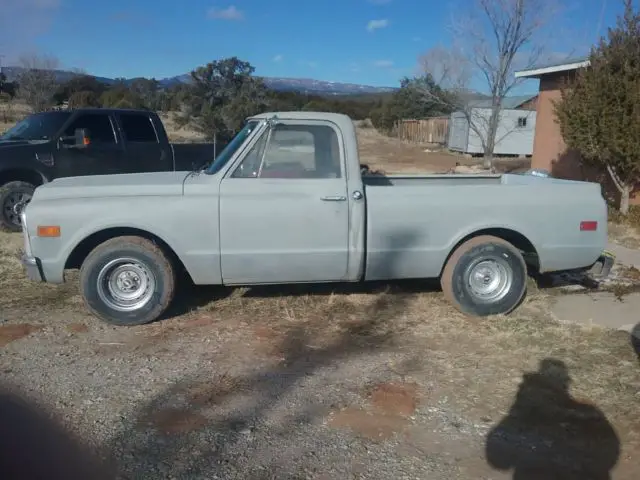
(379, 382)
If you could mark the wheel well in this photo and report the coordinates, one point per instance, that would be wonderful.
(82, 250)
(516, 239)
(21, 175)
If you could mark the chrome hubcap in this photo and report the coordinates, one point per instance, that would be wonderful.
(490, 280)
(14, 205)
(125, 284)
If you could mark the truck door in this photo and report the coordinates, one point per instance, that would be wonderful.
(284, 210)
(143, 151)
(102, 155)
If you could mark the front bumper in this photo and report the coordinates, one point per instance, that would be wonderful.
(33, 268)
(602, 268)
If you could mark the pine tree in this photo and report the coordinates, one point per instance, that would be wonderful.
(599, 110)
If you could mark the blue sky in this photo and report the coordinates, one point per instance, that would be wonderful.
(372, 42)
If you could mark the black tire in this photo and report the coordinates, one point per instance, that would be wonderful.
(13, 194)
(145, 264)
(507, 263)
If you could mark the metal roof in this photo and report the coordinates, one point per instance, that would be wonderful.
(507, 102)
(563, 66)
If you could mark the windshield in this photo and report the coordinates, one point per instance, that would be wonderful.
(231, 148)
(40, 126)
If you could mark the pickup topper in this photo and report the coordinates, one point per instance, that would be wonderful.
(286, 202)
(71, 143)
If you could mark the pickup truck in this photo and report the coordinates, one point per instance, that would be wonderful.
(286, 202)
(81, 142)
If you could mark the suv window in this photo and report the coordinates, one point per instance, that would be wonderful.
(138, 128)
(294, 151)
(99, 126)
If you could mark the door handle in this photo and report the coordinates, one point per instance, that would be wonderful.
(336, 198)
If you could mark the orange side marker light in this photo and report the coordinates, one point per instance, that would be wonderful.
(48, 231)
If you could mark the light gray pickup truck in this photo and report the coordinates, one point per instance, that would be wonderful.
(288, 202)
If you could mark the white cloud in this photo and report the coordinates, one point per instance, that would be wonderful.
(383, 63)
(278, 58)
(376, 24)
(310, 64)
(229, 13)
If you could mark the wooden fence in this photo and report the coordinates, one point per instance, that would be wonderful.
(430, 130)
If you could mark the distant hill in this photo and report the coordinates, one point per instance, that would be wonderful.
(303, 85)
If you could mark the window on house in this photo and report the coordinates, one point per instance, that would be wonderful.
(522, 122)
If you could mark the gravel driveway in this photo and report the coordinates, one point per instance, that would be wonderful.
(377, 382)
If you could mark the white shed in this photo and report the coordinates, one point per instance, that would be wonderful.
(516, 129)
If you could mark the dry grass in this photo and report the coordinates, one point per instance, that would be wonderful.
(472, 365)
(17, 290)
(625, 230)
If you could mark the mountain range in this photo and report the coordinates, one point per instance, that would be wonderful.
(302, 85)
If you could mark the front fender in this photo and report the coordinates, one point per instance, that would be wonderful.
(171, 219)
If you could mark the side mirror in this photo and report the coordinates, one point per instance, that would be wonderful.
(80, 139)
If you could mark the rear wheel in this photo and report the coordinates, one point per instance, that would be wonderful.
(127, 281)
(14, 196)
(485, 276)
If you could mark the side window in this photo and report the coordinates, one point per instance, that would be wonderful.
(294, 151)
(99, 126)
(138, 128)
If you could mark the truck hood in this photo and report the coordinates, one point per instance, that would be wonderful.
(122, 185)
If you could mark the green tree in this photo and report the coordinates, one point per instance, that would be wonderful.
(599, 110)
(222, 94)
(120, 96)
(84, 99)
(77, 84)
(411, 100)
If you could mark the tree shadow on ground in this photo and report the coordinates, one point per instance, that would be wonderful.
(549, 435)
(201, 426)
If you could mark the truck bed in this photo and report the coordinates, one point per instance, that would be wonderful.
(418, 223)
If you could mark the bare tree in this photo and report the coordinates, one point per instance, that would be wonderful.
(495, 39)
(37, 83)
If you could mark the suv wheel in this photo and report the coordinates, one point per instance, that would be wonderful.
(14, 196)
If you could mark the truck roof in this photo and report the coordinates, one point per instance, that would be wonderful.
(105, 110)
(343, 121)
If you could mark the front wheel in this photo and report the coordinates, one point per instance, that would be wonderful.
(127, 281)
(14, 196)
(485, 276)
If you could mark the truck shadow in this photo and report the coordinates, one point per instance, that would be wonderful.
(190, 297)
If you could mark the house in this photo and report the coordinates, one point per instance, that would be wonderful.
(515, 129)
(549, 148)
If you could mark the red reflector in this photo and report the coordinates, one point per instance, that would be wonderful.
(590, 226)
